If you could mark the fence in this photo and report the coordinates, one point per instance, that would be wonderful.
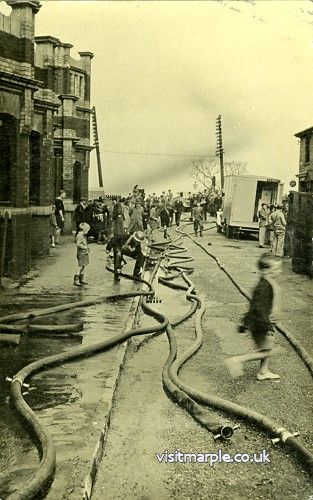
(300, 219)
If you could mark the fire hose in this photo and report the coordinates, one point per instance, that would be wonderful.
(185, 396)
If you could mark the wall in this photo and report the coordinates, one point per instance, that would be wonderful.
(39, 81)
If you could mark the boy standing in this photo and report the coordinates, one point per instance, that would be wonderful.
(262, 314)
(82, 253)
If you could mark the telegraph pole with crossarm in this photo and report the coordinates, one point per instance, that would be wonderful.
(219, 147)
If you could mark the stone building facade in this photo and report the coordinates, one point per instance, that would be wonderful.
(44, 133)
(306, 160)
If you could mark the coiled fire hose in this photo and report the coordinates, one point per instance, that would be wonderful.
(39, 483)
(307, 359)
(42, 478)
(281, 434)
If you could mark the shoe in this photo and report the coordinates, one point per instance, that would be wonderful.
(201, 235)
(267, 376)
(76, 280)
(137, 274)
(117, 276)
(53, 245)
(235, 367)
(81, 280)
(261, 246)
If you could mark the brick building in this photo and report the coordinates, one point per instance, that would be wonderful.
(306, 160)
(44, 132)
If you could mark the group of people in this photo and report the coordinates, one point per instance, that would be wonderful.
(210, 201)
(272, 229)
(124, 223)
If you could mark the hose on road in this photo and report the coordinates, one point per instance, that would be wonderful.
(282, 435)
(304, 355)
(41, 480)
(187, 397)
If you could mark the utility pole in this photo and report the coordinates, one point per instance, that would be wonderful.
(96, 144)
(219, 147)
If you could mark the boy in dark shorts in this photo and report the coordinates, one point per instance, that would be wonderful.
(82, 253)
(263, 312)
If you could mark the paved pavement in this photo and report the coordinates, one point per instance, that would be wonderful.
(73, 400)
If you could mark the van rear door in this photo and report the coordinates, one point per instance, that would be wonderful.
(243, 200)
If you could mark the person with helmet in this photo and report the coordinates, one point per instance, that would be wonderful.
(130, 245)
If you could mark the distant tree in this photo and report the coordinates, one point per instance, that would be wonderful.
(203, 171)
(235, 168)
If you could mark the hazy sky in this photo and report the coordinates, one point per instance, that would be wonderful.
(163, 71)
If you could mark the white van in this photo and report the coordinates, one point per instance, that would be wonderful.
(242, 199)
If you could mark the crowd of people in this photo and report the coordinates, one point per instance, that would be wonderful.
(116, 216)
(122, 223)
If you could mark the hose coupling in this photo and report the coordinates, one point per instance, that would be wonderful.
(23, 384)
(225, 432)
(284, 435)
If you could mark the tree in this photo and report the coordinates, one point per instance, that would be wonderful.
(204, 170)
(235, 168)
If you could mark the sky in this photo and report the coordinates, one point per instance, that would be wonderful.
(163, 71)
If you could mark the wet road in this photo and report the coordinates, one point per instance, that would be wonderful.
(145, 421)
(70, 398)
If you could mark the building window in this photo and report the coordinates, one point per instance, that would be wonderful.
(34, 168)
(78, 85)
(307, 148)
